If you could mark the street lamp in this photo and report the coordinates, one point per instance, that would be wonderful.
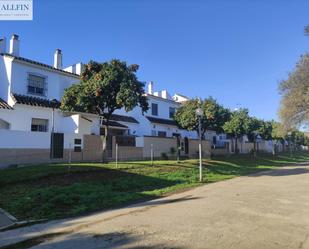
(256, 133)
(199, 113)
(290, 148)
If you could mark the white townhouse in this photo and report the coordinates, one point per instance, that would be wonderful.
(31, 91)
(158, 120)
(30, 95)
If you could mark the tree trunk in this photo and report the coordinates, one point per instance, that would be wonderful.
(236, 146)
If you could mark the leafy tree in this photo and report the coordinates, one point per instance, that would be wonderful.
(294, 107)
(263, 128)
(254, 125)
(278, 131)
(297, 137)
(213, 118)
(306, 141)
(104, 88)
(238, 125)
(278, 134)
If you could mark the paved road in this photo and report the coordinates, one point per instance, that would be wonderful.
(269, 210)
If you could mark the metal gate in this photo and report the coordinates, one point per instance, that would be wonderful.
(56, 146)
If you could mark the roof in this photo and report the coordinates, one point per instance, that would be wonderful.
(38, 64)
(122, 118)
(115, 124)
(182, 95)
(35, 101)
(4, 105)
(162, 121)
(160, 98)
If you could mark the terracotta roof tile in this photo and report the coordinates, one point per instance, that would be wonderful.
(4, 105)
(38, 63)
(35, 101)
(162, 121)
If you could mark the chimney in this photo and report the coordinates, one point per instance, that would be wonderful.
(3, 45)
(78, 68)
(164, 94)
(150, 87)
(14, 45)
(58, 59)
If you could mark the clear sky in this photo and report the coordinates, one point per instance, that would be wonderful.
(233, 50)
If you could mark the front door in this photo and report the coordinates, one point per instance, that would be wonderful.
(56, 146)
(186, 146)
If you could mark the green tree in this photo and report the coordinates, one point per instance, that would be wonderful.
(278, 134)
(104, 88)
(238, 125)
(213, 118)
(294, 106)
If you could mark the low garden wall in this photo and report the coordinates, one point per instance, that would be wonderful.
(20, 147)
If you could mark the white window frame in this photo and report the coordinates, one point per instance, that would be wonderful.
(169, 111)
(157, 109)
(47, 124)
(45, 84)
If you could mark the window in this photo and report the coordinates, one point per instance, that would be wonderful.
(153, 133)
(40, 125)
(154, 109)
(77, 145)
(172, 112)
(77, 149)
(161, 133)
(36, 84)
(77, 141)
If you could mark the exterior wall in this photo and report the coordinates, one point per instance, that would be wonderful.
(35, 156)
(265, 146)
(160, 145)
(194, 148)
(220, 152)
(14, 79)
(92, 148)
(56, 81)
(145, 127)
(5, 77)
(164, 145)
(20, 119)
(19, 147)
(32, 140)
(128, 153)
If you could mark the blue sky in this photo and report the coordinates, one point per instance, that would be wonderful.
(235, 51)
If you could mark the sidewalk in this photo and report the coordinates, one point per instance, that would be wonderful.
(6, 219)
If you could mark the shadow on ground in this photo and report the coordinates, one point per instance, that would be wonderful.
(93, 241)
(283, 172)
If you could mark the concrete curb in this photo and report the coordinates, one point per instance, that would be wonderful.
(11, 217)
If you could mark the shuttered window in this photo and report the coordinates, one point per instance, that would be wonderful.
(36, 84)
(39, 125)
(154, 109)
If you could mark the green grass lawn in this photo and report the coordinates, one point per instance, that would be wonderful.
(51, 191)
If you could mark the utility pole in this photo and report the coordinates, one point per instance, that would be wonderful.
(199, 113)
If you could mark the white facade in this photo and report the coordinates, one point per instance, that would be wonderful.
(17, 73)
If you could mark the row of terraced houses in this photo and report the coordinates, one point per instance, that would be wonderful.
(34, 129)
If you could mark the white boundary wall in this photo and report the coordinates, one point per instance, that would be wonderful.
(32, 140)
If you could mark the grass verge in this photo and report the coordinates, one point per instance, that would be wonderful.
(52, 191)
